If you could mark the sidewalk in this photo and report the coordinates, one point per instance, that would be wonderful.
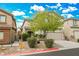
(15, 50)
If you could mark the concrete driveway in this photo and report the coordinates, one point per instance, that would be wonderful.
(66, 44)
(67, 48)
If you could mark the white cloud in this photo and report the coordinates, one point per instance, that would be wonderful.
(60, 8)
(52, 6)
(58, 4)
(18, 13)
(47, 5)
(65, 10)
(67, 15)
(72, 8)
(69, 9)
(70, 15)
(30, 12)
(25, 16)
(37, 8)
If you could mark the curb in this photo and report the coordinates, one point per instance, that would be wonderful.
(31, 52)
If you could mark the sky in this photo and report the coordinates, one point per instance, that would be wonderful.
(23, 11)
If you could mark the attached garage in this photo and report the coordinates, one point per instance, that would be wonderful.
(55, 35)
(76, 34)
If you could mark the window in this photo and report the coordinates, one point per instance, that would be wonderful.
(2, 18)
(74, 23)
(1, 35)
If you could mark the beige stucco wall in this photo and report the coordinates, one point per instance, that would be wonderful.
(77, 23)
(69, 22)
(26, 24)
(68, 32)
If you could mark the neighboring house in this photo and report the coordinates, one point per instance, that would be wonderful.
(72, 28)
(70, 31)
(73, 23)
(56, 35)
(25, 26)
(7, 27)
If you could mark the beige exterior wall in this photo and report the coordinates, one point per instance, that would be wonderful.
(77, 23)
(26, 25)
(69, 22)
(68, 31)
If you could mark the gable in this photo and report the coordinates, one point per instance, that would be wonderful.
(9, 16)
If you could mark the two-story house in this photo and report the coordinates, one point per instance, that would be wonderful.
(73, 23)
(7, 27)
(26, 25)
(72, 28)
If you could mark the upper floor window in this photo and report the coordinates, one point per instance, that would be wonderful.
(74, 23)
(2, 18)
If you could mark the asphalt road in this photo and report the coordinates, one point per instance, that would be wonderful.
(69, 52)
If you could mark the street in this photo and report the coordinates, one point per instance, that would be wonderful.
(69, 52)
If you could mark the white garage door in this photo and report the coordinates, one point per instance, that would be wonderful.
(76, 33)
(56, 35)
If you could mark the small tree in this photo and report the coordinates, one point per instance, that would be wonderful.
(46, 21)
(25, 36)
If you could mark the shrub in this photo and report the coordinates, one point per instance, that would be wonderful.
(25, 36)
(49, 43)
(32, 42)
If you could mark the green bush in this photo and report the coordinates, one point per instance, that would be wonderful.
(25, 36)
(49, 43)
(32, 42)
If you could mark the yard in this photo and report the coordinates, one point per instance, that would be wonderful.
(16, 50)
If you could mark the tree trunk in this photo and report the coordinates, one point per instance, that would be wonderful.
(45, 34)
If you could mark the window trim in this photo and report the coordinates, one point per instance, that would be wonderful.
(5, 19)
(3, 35)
